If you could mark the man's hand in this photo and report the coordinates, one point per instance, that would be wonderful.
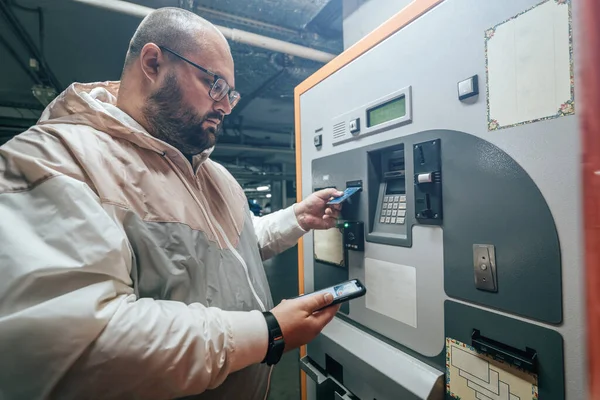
(314, 213)
(299, 320)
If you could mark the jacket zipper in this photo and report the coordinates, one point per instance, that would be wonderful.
(218, 227)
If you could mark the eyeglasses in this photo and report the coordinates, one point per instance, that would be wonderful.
(219, 89)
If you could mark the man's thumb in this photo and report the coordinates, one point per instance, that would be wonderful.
(330, 192)
(321, 301)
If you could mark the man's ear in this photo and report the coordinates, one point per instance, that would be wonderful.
(151, 59)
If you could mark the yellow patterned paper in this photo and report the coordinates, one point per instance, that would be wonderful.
(473, 376)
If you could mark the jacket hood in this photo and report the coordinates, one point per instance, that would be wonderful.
(95, 105)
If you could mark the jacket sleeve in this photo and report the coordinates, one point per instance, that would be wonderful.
(70, 324)
(277, 232)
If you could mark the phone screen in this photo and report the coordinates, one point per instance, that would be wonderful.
(342, 290)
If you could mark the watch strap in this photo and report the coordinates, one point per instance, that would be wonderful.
(276, 343)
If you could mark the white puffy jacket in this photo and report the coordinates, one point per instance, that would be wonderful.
(125, 271)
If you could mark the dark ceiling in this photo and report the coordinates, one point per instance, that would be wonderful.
(75, 42)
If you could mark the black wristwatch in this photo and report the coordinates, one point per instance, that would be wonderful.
(276, 344)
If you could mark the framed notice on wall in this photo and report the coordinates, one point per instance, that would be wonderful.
(529, 66)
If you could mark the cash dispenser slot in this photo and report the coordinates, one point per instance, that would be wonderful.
(328, 387)
(395, 168)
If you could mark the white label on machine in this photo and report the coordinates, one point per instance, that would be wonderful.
(329, 246)
(392, 290)
(529, 62)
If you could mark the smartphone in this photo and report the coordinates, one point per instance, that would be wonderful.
(343, 291)
(347, 193)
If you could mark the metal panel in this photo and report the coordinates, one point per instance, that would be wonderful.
(462, 319)
(374, 369)
(432, 62)
(361, 116)
(480, 183)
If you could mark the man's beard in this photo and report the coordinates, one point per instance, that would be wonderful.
(175, 123)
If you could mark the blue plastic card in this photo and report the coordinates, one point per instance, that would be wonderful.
(347, 193)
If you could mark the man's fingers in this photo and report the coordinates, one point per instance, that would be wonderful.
(334, 210)
(325, 316)
(331, 215)
(327, 223)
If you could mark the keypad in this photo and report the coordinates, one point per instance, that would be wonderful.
(393, 210)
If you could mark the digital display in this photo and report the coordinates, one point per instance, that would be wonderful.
(341, 290)
(393, 109)
(395, 186)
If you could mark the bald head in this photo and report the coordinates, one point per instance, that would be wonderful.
(178, 79)
(179, 29)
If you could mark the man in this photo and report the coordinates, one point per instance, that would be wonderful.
(131, 265)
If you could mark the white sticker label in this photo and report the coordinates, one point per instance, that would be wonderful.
(392, 290)
(325, 177)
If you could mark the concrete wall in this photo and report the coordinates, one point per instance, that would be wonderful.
(363, 16)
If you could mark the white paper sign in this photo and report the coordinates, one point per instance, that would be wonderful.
(392, 290)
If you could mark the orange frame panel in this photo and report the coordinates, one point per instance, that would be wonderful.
(407, 15)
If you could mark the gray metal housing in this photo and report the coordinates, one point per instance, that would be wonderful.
(533, 165)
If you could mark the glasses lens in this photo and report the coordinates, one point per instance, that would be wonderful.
(219, 89)
(234, 98)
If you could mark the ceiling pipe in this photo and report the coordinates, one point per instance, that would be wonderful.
(245, 21)
(234, 35)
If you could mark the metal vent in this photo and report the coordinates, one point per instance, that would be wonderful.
(339, 130)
